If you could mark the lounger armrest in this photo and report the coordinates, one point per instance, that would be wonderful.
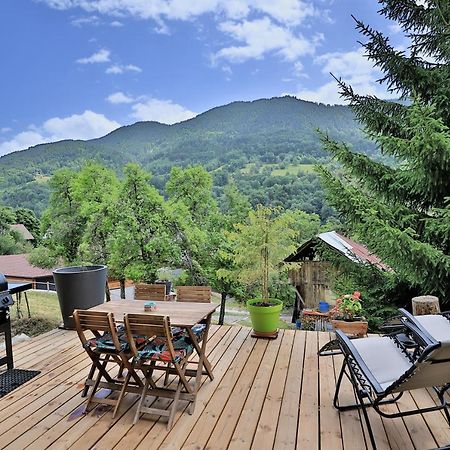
(349, 350)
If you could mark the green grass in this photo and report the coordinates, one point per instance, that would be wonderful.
(293, 169)
(45, 314)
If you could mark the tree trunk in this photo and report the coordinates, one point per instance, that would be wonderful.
(122, 288)
(107, 291)
(425, 304)
(223, 298)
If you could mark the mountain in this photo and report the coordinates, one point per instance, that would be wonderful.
(267, 141)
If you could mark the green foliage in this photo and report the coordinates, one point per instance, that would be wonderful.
(141, 240)
(269, 135)
(401, 211)
(258, 247)
(43, 257)
(11, 242)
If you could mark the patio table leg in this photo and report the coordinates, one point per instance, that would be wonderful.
(202, 361)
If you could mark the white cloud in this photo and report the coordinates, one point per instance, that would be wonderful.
(164, 111)
(102, 56)
(262, 36)
(116, 24)
(89, 20)
(118, 69)
(354, 68)
(119, 98)
(5, 130)
(87, 125)
(291, 12)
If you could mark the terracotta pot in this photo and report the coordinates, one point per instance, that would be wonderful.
(357, 327)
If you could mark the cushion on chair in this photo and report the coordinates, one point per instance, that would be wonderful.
(198, 330)
(157, 350)
(105, 343)
(383, 358)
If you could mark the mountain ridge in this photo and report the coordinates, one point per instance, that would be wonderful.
(225, 139)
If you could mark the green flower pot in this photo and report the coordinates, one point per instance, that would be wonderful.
(265, 319)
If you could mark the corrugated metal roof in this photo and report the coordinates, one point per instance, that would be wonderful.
(351, 249)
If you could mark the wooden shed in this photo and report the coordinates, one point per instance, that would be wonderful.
(311, 276)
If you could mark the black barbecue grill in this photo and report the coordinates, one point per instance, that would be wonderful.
(6, 300)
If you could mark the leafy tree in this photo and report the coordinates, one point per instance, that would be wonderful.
(402, 211)
(194, 211)
(141, 240)
(11, 242)
(43, 257)
(259, 246)
(62, 223)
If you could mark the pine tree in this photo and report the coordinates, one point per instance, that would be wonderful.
(401, 211)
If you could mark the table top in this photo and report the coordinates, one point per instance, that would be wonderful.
(14, 288)
(181, 314)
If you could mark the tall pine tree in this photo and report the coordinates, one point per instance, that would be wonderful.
(402, 211)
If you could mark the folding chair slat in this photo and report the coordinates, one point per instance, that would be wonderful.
(143, 291)
(196, 294)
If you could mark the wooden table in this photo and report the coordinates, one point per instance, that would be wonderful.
(181, 314)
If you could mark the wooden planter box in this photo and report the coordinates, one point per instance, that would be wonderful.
(356, 328)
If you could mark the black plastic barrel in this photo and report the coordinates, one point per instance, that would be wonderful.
(79, 287)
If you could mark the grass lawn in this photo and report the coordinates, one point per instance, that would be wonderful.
(293, 169)
(45, 314)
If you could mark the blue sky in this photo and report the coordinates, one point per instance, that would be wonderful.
(81, 68)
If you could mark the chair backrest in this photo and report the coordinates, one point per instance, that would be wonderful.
(143, 291)
(147, 325)
(197, 294)
(96, 322)
(432, 368)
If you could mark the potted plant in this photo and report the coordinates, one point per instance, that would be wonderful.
(346, 315)
(257, 249)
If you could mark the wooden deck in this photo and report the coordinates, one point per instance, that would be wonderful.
(266, 394)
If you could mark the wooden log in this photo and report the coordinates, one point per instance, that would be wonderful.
(425, 304)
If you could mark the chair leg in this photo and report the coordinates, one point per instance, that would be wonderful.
(141, 401)
(173, 408)
(94, 388)
(166, 376)
(90, 377)
(122, 393)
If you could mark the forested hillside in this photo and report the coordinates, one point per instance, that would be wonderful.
(266, 146)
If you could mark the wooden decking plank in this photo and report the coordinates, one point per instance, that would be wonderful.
(416, 426)
(209, 401)
(396, 431)
(223, 430)
(308, 429)
(25, 432)
(351, 426)
(436, 421)
(144, 429)
(245, 429)
(20, 398)
(330, 421)
(36, 341)
(107, 432)
(268, 420)
(15, 425)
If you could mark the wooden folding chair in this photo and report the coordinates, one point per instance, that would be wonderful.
(155, 292)
(107, 346)
(195, 294)
(161, 351)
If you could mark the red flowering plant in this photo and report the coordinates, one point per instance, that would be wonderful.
(348, 307)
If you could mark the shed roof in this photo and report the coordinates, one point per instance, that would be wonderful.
(23, 230)
(351, 249)
(18, 266)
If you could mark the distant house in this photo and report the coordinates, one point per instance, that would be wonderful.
(17, 268)
(23, 231)
(311, 278)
